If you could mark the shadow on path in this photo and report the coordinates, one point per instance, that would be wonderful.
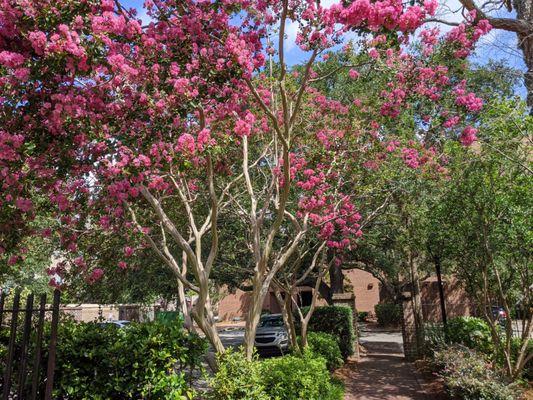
(381, 377)
(381, 374)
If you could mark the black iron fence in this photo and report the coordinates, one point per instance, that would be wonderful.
(28, 338)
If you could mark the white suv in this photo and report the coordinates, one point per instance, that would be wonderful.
(271, 334)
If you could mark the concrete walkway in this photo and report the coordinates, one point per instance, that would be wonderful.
(382, 373)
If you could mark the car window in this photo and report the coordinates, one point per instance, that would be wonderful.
(271, 322)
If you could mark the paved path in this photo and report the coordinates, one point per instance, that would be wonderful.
(381, 374)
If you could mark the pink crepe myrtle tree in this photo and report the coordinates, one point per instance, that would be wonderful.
(151, 132)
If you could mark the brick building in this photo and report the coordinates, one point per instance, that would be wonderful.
(365, 287)
(367, 294)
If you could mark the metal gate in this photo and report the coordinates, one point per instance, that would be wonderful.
(28, 361)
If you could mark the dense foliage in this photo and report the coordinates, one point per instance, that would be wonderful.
(155, 135)
(140, 361)
(237, 378)
(469, 376)
(471, 332)
(284, 378)
(338, 322)
(389, 314)
(326, 346)
(299, 377)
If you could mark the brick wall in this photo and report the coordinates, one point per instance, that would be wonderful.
(365, 288)
(457, 300)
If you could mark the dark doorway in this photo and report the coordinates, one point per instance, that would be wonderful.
(305, 298)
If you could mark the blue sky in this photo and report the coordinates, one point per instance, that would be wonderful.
(497, 45)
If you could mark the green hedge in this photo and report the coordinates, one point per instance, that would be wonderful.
(140, 361)
(326, 346)
(299, 377)
(471, 332)
(282, 378)
(237, 378)
(338, 322)
(388, 314)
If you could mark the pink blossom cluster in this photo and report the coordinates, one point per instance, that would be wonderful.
(468, 136)
(388, 14)
(467, 34)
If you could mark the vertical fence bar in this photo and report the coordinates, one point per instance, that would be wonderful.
(21, 389)
(2, 299)
(38, 349)
(52, 349)
(11, 348)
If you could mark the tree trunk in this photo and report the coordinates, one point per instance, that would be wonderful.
(524, 11)
(305, 324)
(336, 277)
(441, 292)
(185, 309)
(285, 304)
(254, 313)
(417, 304)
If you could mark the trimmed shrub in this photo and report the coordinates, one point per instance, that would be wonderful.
(140, 361)
(237, 378)
(388, 314)
(326, 346)
(468, 376)
(471, 332)
(362, 315)
(338, 322)
(299, 377)
(283, 378)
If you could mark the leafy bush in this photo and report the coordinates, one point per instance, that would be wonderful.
(326, 346)
(471, 332)
(141, 361)
(362, 315)
(388, 314)
(299, 377)
(237, 378)
(435, 338)
(284, 378)
(337, 321)
(468, 376)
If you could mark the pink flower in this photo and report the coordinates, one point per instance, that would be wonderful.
(96, 275)
(122, 265)
(10, 59)
(451, 122)
(23, 204)
(128, 251)
(468, 136)
(373, 53)
(243, 127)
(186, 143)
(353, 74)
(38, 41)
(470, 101)
(22, 74)
(12, 260)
